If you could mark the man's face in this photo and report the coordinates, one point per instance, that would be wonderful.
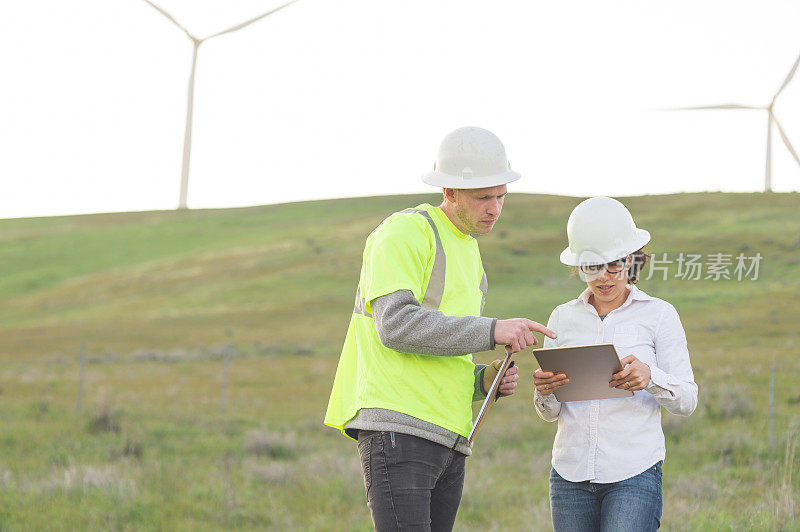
(477, 210)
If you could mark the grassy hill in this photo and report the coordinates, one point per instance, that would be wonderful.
(161, 298)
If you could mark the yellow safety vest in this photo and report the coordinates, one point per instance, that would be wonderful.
(419, 250)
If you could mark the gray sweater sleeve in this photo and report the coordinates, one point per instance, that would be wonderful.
(403, 325)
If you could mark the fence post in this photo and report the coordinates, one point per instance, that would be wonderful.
(771, 407)
(82, 358)
(222, 399)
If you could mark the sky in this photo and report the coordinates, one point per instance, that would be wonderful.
(345, 98)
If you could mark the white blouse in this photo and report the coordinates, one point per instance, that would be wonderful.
(609, 440)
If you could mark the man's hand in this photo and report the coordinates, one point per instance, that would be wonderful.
(635, 375)
(546, 382)
(507, 383)
(517, 333)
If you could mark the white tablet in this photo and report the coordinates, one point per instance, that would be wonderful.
(588, 367)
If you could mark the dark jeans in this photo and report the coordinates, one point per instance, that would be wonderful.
(412, 483)
(632, 504)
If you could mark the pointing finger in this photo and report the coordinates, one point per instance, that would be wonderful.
(538, 327)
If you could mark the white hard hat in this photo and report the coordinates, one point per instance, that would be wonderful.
(601, 230)
(471, 157)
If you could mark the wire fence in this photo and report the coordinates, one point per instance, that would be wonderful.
(225, 353)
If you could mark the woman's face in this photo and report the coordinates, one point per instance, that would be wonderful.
(608, 287)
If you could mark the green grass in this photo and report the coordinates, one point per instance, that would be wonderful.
(158, 297)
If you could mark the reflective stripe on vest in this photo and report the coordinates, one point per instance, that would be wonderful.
(435, 291)
(361, 305)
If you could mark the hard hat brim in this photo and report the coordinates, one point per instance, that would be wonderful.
(572, 259)
(439, 179)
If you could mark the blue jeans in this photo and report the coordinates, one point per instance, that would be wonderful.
(411, 483)
(632, 504)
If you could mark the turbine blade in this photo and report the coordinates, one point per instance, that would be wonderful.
(247, 23)
(786, 141)
(170, 17)
(706, 107)
(788, 78)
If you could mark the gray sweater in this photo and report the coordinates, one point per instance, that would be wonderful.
(403, 325)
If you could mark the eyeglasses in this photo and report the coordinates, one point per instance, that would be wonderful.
(613, 268)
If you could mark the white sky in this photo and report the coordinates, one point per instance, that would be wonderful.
(351, 98)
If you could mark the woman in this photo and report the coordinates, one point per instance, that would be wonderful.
(607, 454)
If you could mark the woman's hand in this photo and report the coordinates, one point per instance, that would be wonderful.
(635, 375)
(547, 382)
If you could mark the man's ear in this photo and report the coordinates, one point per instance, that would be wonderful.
(449, 194)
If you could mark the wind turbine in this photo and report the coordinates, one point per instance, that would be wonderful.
(187, 138)
(771, 119)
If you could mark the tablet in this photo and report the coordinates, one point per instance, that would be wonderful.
(588, 367)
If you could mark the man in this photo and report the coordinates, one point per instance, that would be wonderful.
(406, 381)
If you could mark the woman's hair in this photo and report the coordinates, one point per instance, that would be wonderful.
(640, 258)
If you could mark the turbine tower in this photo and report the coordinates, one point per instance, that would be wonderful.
(771, 119)
(187, 138)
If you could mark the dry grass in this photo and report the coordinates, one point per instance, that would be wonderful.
(271, 444)
(105, 418)
(159, 296)
(785, 495)
(117, 479)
